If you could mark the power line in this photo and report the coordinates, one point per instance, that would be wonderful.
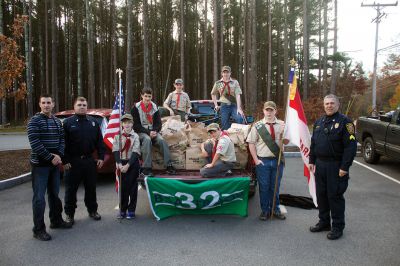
(377, 20)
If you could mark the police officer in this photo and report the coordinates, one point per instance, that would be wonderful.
(333, 148)
(219, 152)
(82, 138)
(229, 92)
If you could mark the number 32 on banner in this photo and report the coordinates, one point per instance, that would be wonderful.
(187, 200)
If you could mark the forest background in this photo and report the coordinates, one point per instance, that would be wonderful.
(72, 48)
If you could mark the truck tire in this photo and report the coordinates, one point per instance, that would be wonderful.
(368, 151)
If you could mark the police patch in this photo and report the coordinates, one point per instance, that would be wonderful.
(336, 125)
(350, 128)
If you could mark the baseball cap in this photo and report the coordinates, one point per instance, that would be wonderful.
(127, 117)
(270, 104)
(226, 68)
(213, 126)
(179, 81)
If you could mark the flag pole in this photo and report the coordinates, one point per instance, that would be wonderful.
(119, 72)
(292, 65)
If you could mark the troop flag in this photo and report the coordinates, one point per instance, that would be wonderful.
(297, 130)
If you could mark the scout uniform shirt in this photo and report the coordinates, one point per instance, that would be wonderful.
(227, 91)
(254, 138)
(127, 151)
(146, 116)
(178, 101)
(225, 148)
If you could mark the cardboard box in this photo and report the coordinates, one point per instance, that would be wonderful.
(242, 157)
(193, 159)
(177, 159)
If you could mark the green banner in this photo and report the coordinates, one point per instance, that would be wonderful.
(169, 197)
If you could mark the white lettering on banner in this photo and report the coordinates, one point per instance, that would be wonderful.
(215, 196)
(188, 200)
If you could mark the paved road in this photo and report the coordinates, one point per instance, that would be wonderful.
(14, 141)
(372, 235)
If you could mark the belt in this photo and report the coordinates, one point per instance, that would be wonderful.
(267, 158)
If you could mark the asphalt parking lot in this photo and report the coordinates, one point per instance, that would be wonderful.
(371, 237)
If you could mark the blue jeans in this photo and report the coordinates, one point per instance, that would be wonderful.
(45, 177)
(266, 183)
(228, 111)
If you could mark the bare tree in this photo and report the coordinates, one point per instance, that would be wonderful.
(269, 56)
(215, 41)
(54, 78)
(79, 52)
(129, 53)
(146, 68)
(325, 58)
(333, 76)
(3, 100)
(182, 38)
(205, 33)
(252, 88)
(221, 31)
(89, 35)
(28, 56)
(305, 49)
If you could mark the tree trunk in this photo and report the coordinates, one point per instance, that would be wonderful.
(79, 53)
(320, 49)
(305, 49)
(182, 39)
(252, 88)
(3, 100)
(46, 29)
(333, 77)
(101, 58)
(129, 51)
(269, 57)
(221, 49)
(89, 35)
(113, 59)
(28, 56)
(215, 40)
(325, 58)
(54, 77)
(285, 56)
(205, 33)
(146, 68)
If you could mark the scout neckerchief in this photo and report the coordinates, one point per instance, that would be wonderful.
(178, 99)
(226, 85)
(147, 111)
(267, 138)
(127, 143)
(214, 151)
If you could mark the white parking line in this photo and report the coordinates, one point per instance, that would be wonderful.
(376, 171)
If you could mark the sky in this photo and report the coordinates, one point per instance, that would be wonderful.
(356, 32)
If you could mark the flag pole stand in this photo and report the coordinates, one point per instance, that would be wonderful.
(119, 73)
(292, 65)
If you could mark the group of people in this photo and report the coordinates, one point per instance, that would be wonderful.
(71, 144)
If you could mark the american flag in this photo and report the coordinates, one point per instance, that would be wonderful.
(114, 122)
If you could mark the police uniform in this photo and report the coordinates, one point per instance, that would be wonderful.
(82, 138)
(129, 152)
(227, 92)
(148, 119)
(266, 172)
(179, 102)
(333, 147)
(227, 157)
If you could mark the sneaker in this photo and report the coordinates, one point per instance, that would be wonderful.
(61, 225)
(95, 216)
(279, 216)
(42, 235)
(130, 216)
(121, 215)
(147, 172)
(171, 170)
(70, 219)
(264, 216)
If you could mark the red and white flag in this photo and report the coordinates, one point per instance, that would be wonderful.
(297, 131)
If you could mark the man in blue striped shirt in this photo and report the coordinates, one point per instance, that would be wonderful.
(46, 137)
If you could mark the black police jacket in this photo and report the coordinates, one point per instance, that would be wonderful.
(333, 139)
(82, 137)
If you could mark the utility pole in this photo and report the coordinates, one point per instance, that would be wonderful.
(378, 7)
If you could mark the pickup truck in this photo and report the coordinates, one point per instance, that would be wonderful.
(379, 136)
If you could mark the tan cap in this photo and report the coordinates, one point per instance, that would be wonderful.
(270, 104)
(127, 117)
(226, 68)
(213, 126)
(179, 81)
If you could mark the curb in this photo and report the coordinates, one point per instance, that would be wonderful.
(12, 182)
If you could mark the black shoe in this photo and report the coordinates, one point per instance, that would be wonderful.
(334, 234)
(320, 227)
(42, 235)
(61, 225)
(171, 170)
(95, 216)
(147, 172)
(70, 219)
(264, 216)
(279, 216)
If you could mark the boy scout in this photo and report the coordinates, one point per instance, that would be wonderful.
(263, 140)
(229, 92)
(219, 151)
(178, 101)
